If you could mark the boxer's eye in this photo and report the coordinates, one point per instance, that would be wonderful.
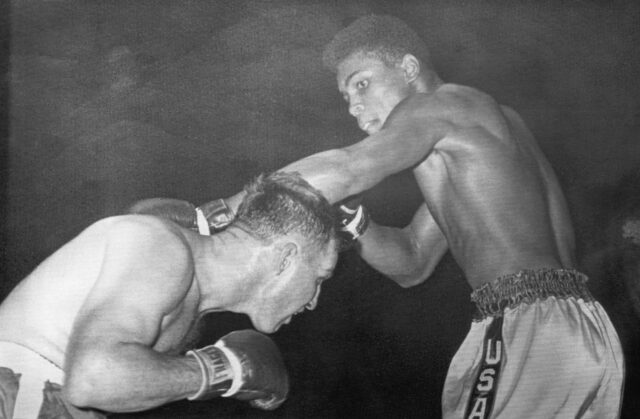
(362, 84)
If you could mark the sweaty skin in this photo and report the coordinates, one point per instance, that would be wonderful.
(490, 195)
(117, 306)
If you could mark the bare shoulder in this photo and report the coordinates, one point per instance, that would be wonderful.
(457, 99)
(144, 225)
(450, 102)
(149, 249)
(145, 236)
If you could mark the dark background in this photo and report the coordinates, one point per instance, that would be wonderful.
(107, 102)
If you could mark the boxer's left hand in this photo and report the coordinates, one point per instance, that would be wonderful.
(245, 365)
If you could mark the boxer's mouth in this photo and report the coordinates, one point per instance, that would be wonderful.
(364, 125)
(288, 319)
(370, 126)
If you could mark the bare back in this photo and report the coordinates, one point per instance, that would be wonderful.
(43, 309)
(490, 189)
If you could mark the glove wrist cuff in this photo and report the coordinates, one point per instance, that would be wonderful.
(217, 215)
(217, 374)
(357, 226)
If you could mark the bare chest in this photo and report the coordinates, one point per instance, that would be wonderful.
(490, 201)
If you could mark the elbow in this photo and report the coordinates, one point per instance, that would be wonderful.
(408, 280)
(81, 392)
(414, 273)
(84, 386)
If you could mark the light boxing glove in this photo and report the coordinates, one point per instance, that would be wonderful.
(353, 219)
(246, 365)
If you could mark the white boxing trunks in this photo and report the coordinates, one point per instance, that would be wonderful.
(30, 387)
(542, 347)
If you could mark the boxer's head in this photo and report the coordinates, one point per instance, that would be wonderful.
(383, 37)
(284, 204)
(296, 226)
(379, 61)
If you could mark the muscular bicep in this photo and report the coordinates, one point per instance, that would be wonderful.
(407, 255)
(428, 243)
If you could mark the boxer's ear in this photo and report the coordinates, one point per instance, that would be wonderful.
(411, 67)
(287, 254)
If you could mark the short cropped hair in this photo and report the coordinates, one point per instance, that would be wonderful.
(382, 36)
(282, 203)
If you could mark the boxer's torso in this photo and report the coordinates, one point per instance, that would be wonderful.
(492, 192)
(41, 311)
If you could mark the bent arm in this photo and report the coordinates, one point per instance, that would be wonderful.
(407, 256)
(110, 362)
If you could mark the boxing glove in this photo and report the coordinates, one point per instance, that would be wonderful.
(246, 365)
(217, 214)
(207, 218)
(353, 218)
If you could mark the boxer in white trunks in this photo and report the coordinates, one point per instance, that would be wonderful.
(104, 323)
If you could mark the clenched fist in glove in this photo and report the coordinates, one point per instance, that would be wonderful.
(353, 219)
(207, 218)
(246, 365)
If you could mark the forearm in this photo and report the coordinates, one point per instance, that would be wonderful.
(396, 254)
(338, 173)
(335, 173)
(341, 173)
(131, 378)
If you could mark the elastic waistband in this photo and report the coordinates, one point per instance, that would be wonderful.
(527, 286)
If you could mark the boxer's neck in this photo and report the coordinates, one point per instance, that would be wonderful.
(227, 264)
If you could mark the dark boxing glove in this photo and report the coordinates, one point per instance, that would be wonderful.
(216, 214)
(206, 219)
(353, 219)
(246, 365)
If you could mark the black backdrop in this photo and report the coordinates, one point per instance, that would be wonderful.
(106, 102)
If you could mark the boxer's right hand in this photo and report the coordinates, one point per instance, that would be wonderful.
(246, 365)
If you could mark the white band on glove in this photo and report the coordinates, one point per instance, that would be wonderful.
(202, 223)
(236, 368)
(217, 214)
(216, 370)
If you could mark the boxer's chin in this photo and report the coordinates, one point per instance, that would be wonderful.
(284, 321)
(371, 127)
